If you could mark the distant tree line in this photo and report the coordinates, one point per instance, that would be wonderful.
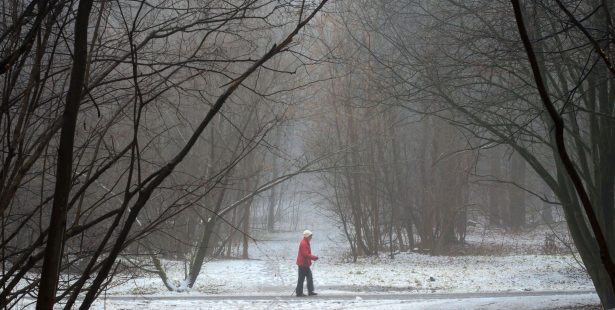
(465, 64)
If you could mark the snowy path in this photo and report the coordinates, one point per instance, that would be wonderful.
(521, 279)
(349, 296)
(503, 300)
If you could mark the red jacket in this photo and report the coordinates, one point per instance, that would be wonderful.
(305, 257)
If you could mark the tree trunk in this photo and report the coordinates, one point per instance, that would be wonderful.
(546, 213)
(57, 225)
(516, 200)
(274, 193)
(592, 237)
(495, 189)
(208, 228)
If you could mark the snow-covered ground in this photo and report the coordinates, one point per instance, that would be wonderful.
(271, 272)
(528, 303)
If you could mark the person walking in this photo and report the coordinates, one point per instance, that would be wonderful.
(304, 261)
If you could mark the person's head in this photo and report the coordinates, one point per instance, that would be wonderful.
(307, 234)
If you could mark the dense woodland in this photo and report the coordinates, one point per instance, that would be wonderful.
(137, 132)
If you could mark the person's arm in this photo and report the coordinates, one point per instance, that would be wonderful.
(312, 257)
(306, 252)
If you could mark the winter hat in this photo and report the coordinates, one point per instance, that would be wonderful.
(307, 233)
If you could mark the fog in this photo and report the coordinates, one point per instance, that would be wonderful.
(147, 139)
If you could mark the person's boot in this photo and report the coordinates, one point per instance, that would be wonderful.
(312, 294)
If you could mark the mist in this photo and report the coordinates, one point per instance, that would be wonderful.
(184, 148)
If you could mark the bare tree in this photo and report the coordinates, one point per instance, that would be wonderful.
(131, 97)
(387, 191)
(469, 58)
(57, 224)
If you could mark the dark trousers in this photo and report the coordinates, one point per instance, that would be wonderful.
(304, 272)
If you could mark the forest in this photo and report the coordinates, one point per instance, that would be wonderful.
(138, 133)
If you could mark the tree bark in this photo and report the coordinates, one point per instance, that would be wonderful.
(605, 256)
(208, 228)
(516, 195)
(57, 225)
(495, 190)
(274, 193)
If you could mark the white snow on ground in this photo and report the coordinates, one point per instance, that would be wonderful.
(529, 303)
(407, 272)
(271, 271)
